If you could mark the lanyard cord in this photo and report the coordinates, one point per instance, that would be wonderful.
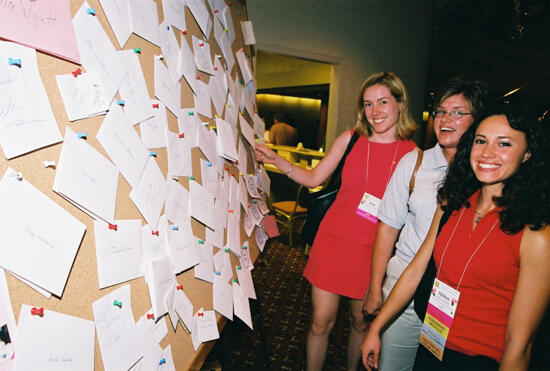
(391, 165)
(471, 256)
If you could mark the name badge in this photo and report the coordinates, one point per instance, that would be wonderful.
(368, 207)
(439, 318)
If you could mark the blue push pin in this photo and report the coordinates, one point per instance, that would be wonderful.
(90, 11)
(162, 361)
(175, 228)
(209, 164)
(82, 135)
(14, 62)
(153, 154)
(120, 102)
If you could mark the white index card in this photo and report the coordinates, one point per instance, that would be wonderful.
(116, 330)
(133, 89)
(169, 299)
(245, 280)
(259, 126)
(177, 204)
(149, 348)
(150, 193)
(160, 279)
(234, 234)
(251, 186)
(155, 243)
(155, 328)
(145, 20)
(226, 140)
(86, 178)
(261, 238)
(241, 305)
(246, 130)
(54, 341)
(248, 33)
(168, 92)
(82, 95)
(203, 58)
(222, 294)
(119, 19)
(170, 50)
(187, 64)
(200, 13)
(153, 130)
(207, 325)
(244, 66)
(209, 176)
(242, 157)
(182, 247)
(123, 145)
(245, 260)
(27, 122)
(202, 99)
(97, 53)
(179, 154)
(167, 361)
(8, 326)
(222, 39)
(201, 204)
(222, 265)
(207, 143)
(205, 269)
(248, 224)
(38, 238)
(184, 309)
(119, 251)
(174, 13)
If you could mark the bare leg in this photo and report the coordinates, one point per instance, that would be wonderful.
(358, 331)
(325, 309)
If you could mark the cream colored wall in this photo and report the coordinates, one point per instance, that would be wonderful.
(359, 37)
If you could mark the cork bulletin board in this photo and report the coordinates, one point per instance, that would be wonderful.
(81, 288)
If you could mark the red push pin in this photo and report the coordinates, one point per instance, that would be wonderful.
(182, 135)
(200, 314)
(155, 105)
(76, 72)
(179, 287)
(215, 68)
(216, 11)
(201, 44)
(184, 32)
(150, 316)
(230, 211)
(37, 311)
(113, 226)
(198, 77)
(155, 233)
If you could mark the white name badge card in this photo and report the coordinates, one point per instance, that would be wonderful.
(439, 317)
(368, 207)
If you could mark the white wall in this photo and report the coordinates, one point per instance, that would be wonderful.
(360, 36)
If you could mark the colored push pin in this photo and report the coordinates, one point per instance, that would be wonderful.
(190, 113)
(238, 13)
(19, 176)
(191, 178)
(241, 81)
(179, 287)
(155, 233)
(120, 102)
(37, 311)
(137, 50)
(167, 28)
(256, 140)
(49, 164)
(155, 105)
(117, 303)
(159, 57)
(153, 154)
(82, 135)
(216, 11)
(245, 247)
(114, 227)
(209, 164)
(215, 68)
(201, 44)
(239, 267)
(217, 116)
(240, 113)
(175, 228)
(226, 250)
(200, 314)
(198, 77)
(77, 72)
(162, 361)
(254, 201)
(181, 135)
(230, 211)
(14, 62)
(201, 242)
(226, 30)
(235, 280)
(228, 106)
(150, 316)
(218, 273)
(90, 11)
(184, 32)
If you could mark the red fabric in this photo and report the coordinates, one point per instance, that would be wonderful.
(489, 283)
(340, 257)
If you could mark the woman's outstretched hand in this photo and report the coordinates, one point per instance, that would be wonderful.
(264, 154)
(370, 350)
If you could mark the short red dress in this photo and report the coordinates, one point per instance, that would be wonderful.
(340, 258)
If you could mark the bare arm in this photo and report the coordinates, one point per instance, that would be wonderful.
(530, 299)
(305, 177)
(401, 294)
(386, 237)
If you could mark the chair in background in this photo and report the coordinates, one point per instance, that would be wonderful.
(290, 211)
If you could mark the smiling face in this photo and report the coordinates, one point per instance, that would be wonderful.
(382, 112)
(498, 150)
(448, 130)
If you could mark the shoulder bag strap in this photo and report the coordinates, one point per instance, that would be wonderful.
(416, 167)
(336, 175)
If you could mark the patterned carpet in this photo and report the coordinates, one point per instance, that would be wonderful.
(284, 298)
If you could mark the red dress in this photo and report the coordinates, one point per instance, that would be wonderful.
(340, 258)
(489, 282)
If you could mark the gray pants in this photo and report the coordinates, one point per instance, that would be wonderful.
(400, 339)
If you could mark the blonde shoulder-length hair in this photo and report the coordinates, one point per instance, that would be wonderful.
(406, 124)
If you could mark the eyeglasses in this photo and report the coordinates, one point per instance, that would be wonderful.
(455, 115)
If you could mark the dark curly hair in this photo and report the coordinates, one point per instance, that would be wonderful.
(525, 195)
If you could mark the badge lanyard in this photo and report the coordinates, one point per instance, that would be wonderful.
(443, 303)
(369, 204)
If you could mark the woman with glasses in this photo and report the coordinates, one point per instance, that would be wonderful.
(342, 248)
(490, 258)
(407, 214)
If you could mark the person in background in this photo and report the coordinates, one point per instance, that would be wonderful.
(342, 248)
(282, 133)
(407, 213)
(494, 249)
